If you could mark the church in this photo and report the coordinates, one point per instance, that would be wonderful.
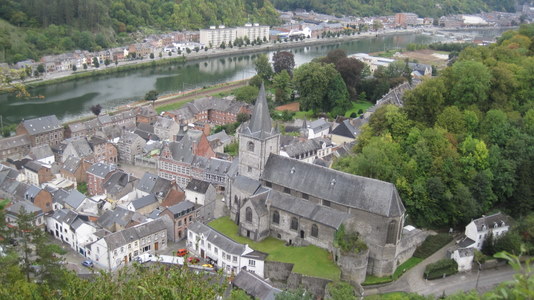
(303, 204)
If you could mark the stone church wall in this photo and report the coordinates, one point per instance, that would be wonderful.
(353, 266)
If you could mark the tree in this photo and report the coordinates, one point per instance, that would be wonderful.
(467, 82)
(151, 55)
(425, 102)
(238, 295)
(299, 294)
(283, 86)
(284, 60)
(351, 71)
(96, 109)
(74, 68)
(341, 291)
(41, 68)
(152, 96)
(246, 94)
(84, 66)
(161, 54)
(96, 64)
(242, 117)
(263, 67)
(107, 62)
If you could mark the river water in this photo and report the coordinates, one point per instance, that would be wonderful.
(73, 99)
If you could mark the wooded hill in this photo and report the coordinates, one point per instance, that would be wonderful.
(463, 144)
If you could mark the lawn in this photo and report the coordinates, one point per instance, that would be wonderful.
(3, 203)
(356, 106)
(407, 265)
(171, 106)
(301, 114)
(309, 260)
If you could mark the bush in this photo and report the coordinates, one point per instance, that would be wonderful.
(442, 267)
(348, 241)
(432, 244)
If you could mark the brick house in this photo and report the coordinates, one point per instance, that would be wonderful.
(146, 114)
(103, 151)
(37, 173)
(42, 130)
(39, 197)
(130, 145)
(210, 110)
(74, 169)
(15, 146)
(96, 175)
(182, 214)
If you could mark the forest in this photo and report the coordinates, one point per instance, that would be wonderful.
(463, 143)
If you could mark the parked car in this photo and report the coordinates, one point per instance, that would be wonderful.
(192, 260)
(88, 263)
(207, 265)
(181, 252)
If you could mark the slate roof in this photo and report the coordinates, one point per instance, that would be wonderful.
(181, 208)
(33, 166)
(72, 164)
(59, 196)
(301, 148)
(144, 201)
(77, 127)
(466, 242)
(119, 216)
(31, 192)
(246, 184)
(255, 286)
(347, 129)
(153, 184)
(117, 182)
(74, 199)
(198, 186)
(164, 123)
(319, 125)
(128, 235)
(16, 208)
(41, 125)
(367, 194)
(14, 141)
(309, 210)
(497, 219)
(260, 124)
(221, 136)
(101, 169)
(218, 239)
(40, 152)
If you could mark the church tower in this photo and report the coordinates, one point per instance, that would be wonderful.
(257, 139)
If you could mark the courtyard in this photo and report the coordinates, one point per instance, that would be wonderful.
(309, 260)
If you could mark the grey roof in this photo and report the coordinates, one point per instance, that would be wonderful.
(14, 141)
(71, 164)
(80, 146)
(181, 208)
(104, 119)
(319, 125)
(221, 136)
(367, 194)
(307, 209)
(198, 186)
(260, 124)
(101, 169)
(74, 199)
(154, 184)
(466, 242)
(128, 235)
(208, 103)
(96, 141)
(246, 184)
(466, 252)
(218, 239)
(258, 202)
(29, 207)
(144, 201)
(77, 127)
(154, 214)
(33, 166)
(255, 286)
(491, 221)
(119, 216)
(165, 123)
(349, 128)
(31, 192)
(301, 148)
(59, 196)
(40, 152)
(42, 124)
(117, 182)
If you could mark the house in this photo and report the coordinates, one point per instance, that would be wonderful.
(209, 110)
(14, 211)
(72, 228)
(219, 140)
(203, 194)
(478, 230)
(42, 130)
(166, 128)
(118, 185)
(76, 130)
(220, 250)
(37, 173)
(420, 70)
(103, 151)
(119, 219)
(348, 130)
(318, 128)
(74, 169)
(255, 286)
(42, 154)
(182, 215)
(130, 145)
(146, 114)
(15, 146)
(308, 150)
(464, 258)
(39, 197)
(74, 200)
(144, 205)
(96, 175)
(122, 247)
(77, 147)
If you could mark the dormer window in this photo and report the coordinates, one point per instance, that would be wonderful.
(292, 170)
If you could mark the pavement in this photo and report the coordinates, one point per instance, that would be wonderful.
(413, 281)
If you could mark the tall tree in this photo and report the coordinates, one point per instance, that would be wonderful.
(152, 95)
(96, 109)
(284, 60)
(263, 67)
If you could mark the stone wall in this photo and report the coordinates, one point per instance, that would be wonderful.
(353, 266)
(314, 285)
(277, 272)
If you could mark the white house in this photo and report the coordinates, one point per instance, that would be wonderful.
(124, 246)
(72, 228)
(318, 128)
(225, 253)
(478, 229)
(464, 258)
(200, 192)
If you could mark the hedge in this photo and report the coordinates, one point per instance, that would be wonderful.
(432, 244)
(441, 267)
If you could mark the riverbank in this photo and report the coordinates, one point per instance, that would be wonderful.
(59, 77)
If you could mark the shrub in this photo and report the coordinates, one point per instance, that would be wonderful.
(432, 244)
(348, 241)
(442, 267)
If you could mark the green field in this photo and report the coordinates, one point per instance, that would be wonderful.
(357, 105)
(407, 265)
(309, 260)
(171, 106)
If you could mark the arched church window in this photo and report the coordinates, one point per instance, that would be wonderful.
(276, 217)
(248, 215)
(315, 230)
(392, 232)
(294, 223)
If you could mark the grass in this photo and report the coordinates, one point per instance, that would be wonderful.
(387, 296)
(171, 106)
(309, 260)
(407, 265)
(3, 203)
(432, 244)
(356, 106)
(304, 114)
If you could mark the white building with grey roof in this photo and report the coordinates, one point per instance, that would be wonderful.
(478, 230)
(227, 254)
(122, 247)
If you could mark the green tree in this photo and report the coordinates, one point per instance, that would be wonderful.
(246, 94)
(237, 294)
(341, 291)
(96, 64)
(283, 85)
(425, 102)
(151, 56)
(284, 60)
(263, 67)
(299, 294)
(468, 82)
(152, 96)
(107, 62)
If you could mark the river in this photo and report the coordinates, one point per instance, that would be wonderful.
(73, 99)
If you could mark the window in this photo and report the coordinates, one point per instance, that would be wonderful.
(251, 262)
(250, 146)
(216, 250)
(209, 246)
(305, 196)
(314, 230)
(326, 203)
(248, 215)
(249, 169)
(268, 184)
(234, 258)
(122, 249)
(276, 217)
(287, 190)
(294, 223)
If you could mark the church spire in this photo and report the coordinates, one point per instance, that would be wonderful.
(260, 121)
